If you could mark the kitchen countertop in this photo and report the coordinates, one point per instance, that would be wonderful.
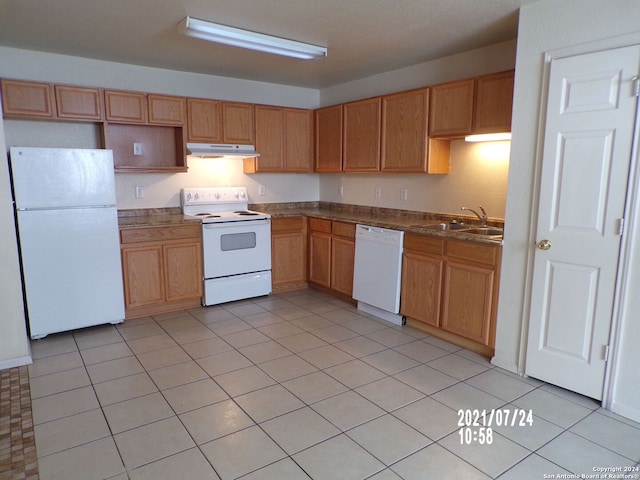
(408, 221)
(155, 220)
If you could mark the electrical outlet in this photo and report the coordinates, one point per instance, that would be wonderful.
(137, 148)
(341, 190)
(139, 191)
(377, 193)
(262, 190)
(404, 194)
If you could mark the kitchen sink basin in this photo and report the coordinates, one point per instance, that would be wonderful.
(484, 231)
(443, 226)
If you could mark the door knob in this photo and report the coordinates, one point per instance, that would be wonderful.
(544, 244)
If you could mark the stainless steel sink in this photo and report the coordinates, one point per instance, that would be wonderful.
(484, 231)
(443, 226)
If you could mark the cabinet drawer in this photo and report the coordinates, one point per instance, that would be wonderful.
(423, 244)
(345, 230)
(319, 225)
(289, 224)
(474, 252)
(155, 234)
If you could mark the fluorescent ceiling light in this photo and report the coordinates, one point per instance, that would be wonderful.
(214, 32)
(488, 137)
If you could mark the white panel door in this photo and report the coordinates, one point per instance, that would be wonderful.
(586, 156)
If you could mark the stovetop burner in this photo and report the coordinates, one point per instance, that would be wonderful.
(219, 204)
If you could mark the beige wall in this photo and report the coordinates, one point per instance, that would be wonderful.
(544, 26)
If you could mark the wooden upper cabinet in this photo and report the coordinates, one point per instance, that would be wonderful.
(451, 109)
(283, 138)
(27, 99)
(125, 107)
(78, 103)
(404, 131)
(166, 109)
(361, 141)
(237, 123)
(328, 139)
(269, 139)
(494, 101)
(298, 139)
(204, 120)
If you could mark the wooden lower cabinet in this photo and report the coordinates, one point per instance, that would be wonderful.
(162, 268)
(451, 287)
(288, 253)
(320, 252)
(332, 255)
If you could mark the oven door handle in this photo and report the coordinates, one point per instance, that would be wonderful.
(241, 223)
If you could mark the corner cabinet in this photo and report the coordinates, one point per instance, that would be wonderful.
(162, 268)
(288, 253)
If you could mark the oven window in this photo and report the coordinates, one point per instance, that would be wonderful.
(237, 241)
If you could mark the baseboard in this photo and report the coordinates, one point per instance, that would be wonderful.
(504, 364)
(625, 411)
(16, 362)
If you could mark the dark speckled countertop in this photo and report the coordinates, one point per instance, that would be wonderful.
(408, 221)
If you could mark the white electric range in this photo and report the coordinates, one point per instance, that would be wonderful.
(236, 243)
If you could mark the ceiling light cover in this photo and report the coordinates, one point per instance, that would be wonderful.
(488, 137)
(214, 32)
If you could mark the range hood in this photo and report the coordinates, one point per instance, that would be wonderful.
(217, 150)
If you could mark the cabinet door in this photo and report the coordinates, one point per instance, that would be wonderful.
(183, 270)
(288, 252)
(143, 273)
(269, 139)
(328, 139)
(421, 288)
(404, 131)
(166, 109)
(494, 101)
(362, 136)
(342, 259)
(125, 107)
(27, 99)
(451, 109)
(237, 123)
(204, 120)
(320, 258)
(467, 300)
(78, 103)
(298, 145)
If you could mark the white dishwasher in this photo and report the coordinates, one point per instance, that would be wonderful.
(377, 272)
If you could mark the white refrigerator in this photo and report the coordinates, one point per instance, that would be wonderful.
(68, 235)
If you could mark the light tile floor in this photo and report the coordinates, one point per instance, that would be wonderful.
(297, 386)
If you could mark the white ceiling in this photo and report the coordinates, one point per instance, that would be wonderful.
(363, 37)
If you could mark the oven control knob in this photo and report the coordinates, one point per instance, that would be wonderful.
(217, 195)
(196, 196)
(188, 197)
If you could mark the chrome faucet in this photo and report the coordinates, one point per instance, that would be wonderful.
(483, 217)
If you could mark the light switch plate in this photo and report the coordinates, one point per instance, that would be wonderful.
(404, 194)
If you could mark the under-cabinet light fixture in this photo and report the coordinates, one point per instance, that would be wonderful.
(488, 137)
(214, 32)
